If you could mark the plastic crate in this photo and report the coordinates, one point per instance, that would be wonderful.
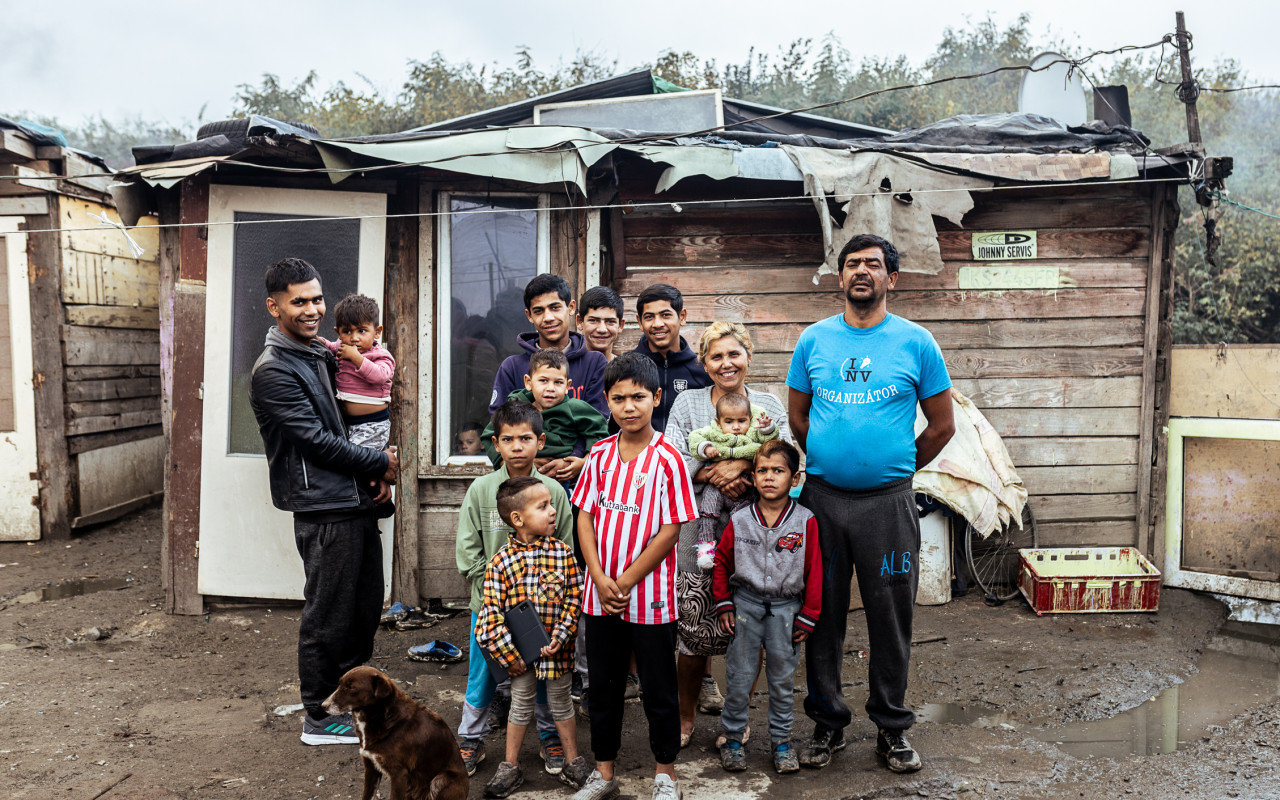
(1088, 580)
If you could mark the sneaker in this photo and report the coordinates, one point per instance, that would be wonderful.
(552, 752)
(583, 710)
(472, 751)
(576, 772)
(330, 730)
(733, 756)
(506, 779)
(633, 688)
(710, 701)
(818, 752)
(597, 788)
(897, 752)
(575, 687)
(665, 788)
(784, 758)
(724, 737)
(499, 710)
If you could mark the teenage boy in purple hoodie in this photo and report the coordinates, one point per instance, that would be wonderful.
(548, 303)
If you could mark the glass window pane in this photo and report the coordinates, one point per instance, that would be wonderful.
(332, 246)
(491, 258)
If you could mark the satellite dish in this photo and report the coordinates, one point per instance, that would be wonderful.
(1051, 92)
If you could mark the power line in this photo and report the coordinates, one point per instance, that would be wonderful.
(1217, 195)
(675, 205)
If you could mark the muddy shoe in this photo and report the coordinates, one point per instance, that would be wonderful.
(397, 612)
(897, 752)
(818, 752)
(331, 730)
(575, 687)
(665, 788)
(583, 710)
(575, 773)
(505, 780)
(710, 701)
(472, 751)
(552, 752)
(784, 758)
(633, 688)
(733, 756)
(436, 650)
(597, 788)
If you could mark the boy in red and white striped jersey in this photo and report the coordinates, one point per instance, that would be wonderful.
(634, 494)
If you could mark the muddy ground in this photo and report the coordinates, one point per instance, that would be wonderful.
(186, 703)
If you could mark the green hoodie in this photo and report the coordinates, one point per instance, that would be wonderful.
(565, 424)
(482, 533)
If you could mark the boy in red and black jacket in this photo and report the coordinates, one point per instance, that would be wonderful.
(767, 586)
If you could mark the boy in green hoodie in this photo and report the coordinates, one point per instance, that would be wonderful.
(571, 426)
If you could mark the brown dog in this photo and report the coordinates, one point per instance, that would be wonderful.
(400, 738)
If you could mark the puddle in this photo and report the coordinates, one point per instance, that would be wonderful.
(974, 715)
(76, 588)
(1239, 669)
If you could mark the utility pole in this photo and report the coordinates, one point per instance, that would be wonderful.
(1188, 91)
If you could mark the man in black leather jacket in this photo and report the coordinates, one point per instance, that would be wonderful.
(337, 492)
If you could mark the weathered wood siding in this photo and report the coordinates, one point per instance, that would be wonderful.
(111, 357)
(1060, 373)
(6, 347)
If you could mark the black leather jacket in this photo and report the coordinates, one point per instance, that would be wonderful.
(312, 465)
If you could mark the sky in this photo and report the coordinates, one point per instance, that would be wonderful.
(170, 62)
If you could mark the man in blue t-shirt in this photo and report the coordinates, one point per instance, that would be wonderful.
(854, 382)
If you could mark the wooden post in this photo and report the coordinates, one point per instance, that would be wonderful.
(57, 481)
(401, 323)
(183, 265)
(1166, 199)
(1184, 57)
(1150, 356)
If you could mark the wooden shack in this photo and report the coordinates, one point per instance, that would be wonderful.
(1065, 352)
(1067, 372)
(79, 346)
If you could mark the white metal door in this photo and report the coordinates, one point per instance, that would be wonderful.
(246, 544)
(19, 513)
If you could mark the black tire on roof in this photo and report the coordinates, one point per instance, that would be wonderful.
(237, 128)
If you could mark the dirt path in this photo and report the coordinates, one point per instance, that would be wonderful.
(186, 703)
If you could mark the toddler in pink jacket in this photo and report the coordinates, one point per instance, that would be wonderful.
(365, 369)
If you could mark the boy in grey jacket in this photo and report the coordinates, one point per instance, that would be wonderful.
(767, 585)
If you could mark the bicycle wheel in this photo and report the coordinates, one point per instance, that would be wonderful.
(993, 561)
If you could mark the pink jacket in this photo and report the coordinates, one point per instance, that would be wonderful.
(371, 380)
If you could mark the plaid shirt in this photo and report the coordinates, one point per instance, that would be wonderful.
(542, 571)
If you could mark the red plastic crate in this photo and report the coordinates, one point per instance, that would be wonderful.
(1088, 580)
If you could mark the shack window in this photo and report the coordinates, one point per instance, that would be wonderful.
(490, 247)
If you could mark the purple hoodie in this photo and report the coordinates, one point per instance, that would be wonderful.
(586, 370)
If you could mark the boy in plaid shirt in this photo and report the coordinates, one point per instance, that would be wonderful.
(533, 566)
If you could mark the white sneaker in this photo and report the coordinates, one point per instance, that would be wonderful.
(597, 788)
(666, 788)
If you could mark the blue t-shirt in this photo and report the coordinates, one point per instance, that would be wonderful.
(865, 384)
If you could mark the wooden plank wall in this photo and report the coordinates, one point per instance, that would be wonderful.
(6, 347)
(109, 330)
(1058, 373)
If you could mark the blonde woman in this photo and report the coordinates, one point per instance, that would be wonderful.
(724, 351)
